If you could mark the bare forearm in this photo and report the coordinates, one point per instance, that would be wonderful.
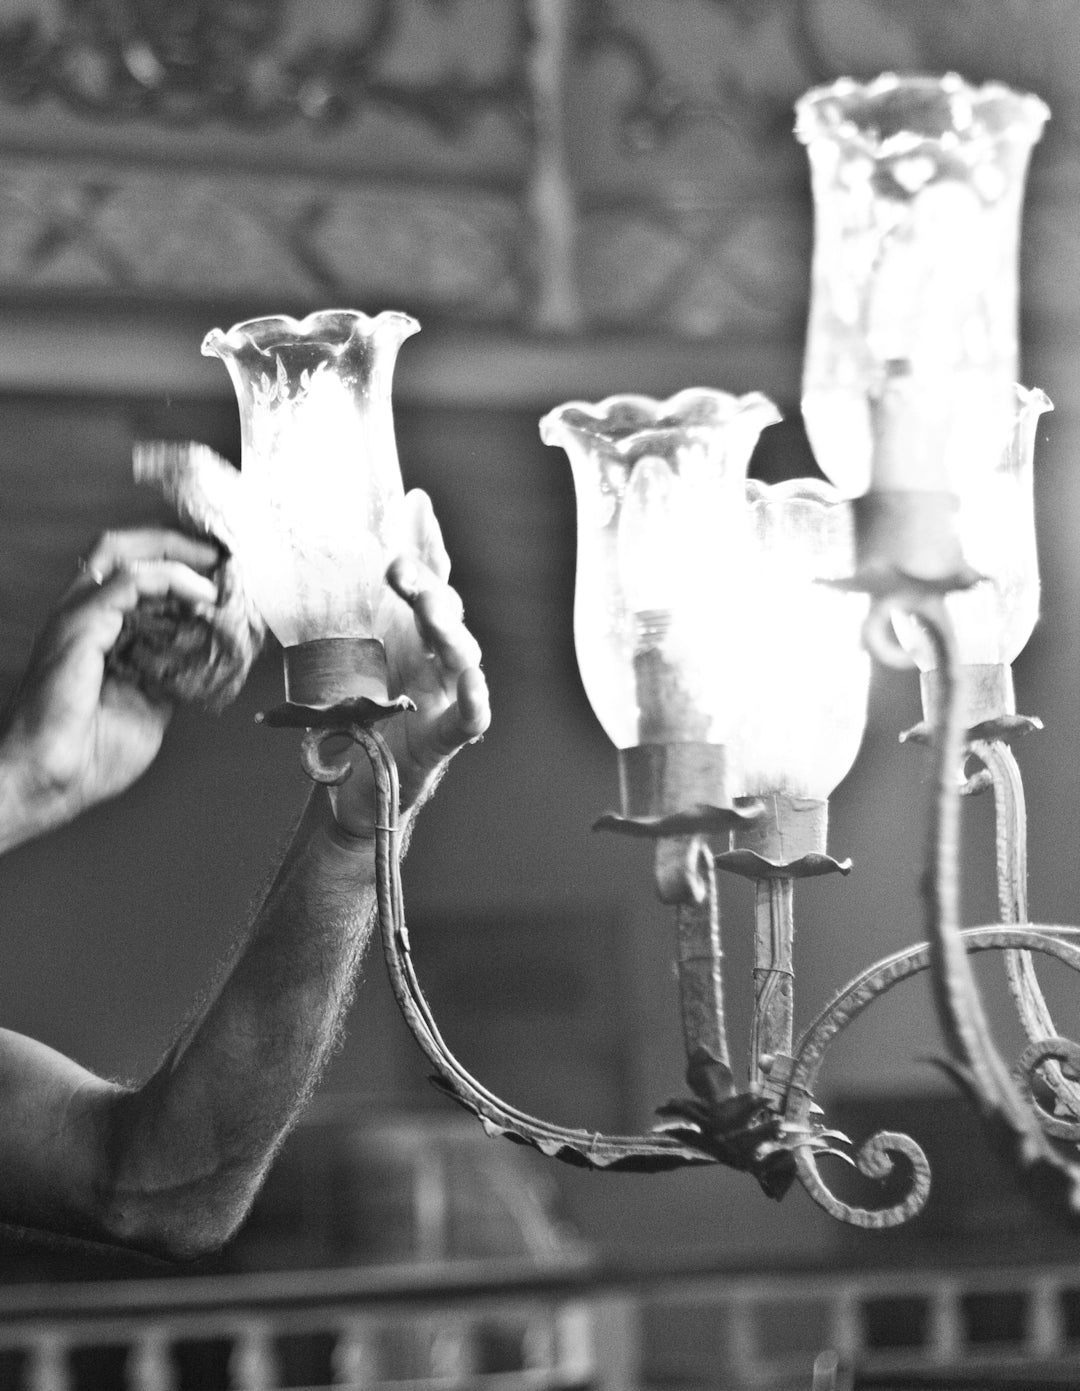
(195, 1141)
(172, 1165)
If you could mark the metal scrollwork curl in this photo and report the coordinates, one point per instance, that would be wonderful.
(1034, 1064)
(876, 1158)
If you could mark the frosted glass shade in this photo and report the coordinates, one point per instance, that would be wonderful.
(912, 339)
(996, 521)
(803, 692)
(320, 483)
(663, 543)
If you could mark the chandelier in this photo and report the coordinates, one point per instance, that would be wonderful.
(725, 629)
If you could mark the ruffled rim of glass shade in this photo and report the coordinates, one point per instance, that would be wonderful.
(621, 420)
(336, 329)
(875, 117)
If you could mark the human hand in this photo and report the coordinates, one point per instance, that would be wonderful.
(73, 735)
(433, 659)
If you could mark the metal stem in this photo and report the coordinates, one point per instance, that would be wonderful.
(699, 963)
(774, 976)
(1010, 825)
(1010, 821)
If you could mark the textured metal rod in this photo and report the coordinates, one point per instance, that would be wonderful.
(699, 964)
(1010, 826)
(774, 978)
(1010, 822)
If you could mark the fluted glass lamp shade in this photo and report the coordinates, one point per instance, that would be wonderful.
(321, 488)
(912, 339)
(803, 693)
(663, 539)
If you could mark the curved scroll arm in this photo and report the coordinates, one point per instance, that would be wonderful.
(874, 1158)
(583, 1148)
(974, 1056)
(1010, 819)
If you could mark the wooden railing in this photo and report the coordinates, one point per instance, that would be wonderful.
(508, 1326)
(503, 1325)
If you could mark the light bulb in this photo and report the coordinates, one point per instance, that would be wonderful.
(652, 541)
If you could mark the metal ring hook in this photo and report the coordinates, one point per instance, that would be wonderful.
(328, 774)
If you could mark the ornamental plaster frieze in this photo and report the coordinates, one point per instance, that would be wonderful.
(533, 170)
(216, 236)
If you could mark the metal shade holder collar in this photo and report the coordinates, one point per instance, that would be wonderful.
(773, 1127)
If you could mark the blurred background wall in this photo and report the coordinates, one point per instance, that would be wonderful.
(575, 199)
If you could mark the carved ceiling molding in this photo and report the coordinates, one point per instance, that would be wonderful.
(579, 168)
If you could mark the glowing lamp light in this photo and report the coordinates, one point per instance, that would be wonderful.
(663, 537)
(805, 689)
(321, 491)
(911, 349)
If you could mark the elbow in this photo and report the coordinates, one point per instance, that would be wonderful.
(176, 1201)
(179, 1226)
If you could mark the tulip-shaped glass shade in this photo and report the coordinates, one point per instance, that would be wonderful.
(994, 618)
(803, 691)
(912, 340)
(320, 484)
(663, 542)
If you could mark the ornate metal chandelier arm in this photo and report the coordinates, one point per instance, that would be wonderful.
(583, 1148)
(874, 1159)
(1010, 818)
(774, 977)
(959, 1005)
